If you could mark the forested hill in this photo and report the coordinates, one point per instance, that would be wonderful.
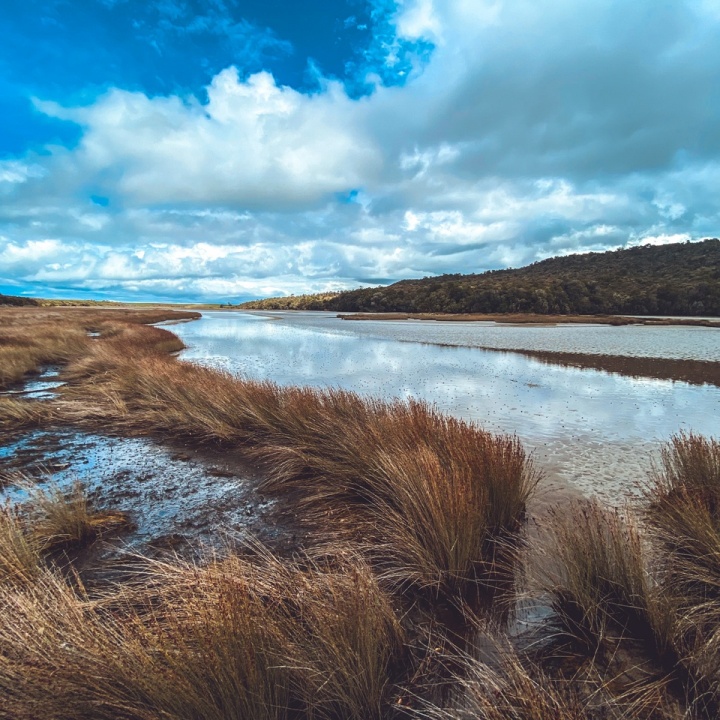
(12, 300)
(677, 279)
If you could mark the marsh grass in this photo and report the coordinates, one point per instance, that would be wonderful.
(52, 519)
(597, 577)
(21, 414)
(507, 688)
(431, 496)
(61, 518)
(410, 517)
(31, 338)
(20, 560)
(232, 639)
(683, 511)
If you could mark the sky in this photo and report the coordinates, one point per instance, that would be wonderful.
(224, 150)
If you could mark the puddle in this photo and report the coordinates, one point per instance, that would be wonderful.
(37, 387)
(172, 497)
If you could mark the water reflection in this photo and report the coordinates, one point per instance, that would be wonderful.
(591, 428)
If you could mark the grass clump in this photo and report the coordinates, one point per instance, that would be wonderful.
(683, 510)
(20, 560)
(62, 518)
(507, 689)
(254, 639)
(597, 577)
(53, 519)
(434, 496)
(21, 414)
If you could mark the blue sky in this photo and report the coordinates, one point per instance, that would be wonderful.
(229, 149)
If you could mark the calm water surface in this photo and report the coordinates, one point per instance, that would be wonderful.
(595, 430)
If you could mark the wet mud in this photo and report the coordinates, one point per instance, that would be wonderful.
(177, 500)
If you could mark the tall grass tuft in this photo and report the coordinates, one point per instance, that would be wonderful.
(597, 578)
(508, 689)
(62, 518)
(683, 510)
(433, 496)
(22, 414)
(20, 561)
(234, 639)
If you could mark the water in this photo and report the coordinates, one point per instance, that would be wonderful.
(678, 342)
(166, 493)
(40, 387)
(594, 430)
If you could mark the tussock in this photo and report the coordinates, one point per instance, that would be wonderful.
(234, 639)
(432, 496)
(21, 414)
(683, 511)
(507, 689)
(60, 518)
(20, 562)
(597, 577)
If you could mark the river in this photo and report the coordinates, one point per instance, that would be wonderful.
(598, 432)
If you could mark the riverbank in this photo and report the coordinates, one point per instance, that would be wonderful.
(535, 319)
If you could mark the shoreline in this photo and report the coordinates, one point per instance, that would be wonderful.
(534, 319)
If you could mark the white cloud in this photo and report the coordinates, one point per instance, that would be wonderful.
(253, 144)
(536, 129)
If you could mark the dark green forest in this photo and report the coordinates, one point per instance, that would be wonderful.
(677, 279)
(12, 300)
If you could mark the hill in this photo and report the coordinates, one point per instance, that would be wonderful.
(676, 279)
(12, 300)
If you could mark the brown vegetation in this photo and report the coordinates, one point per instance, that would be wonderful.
(684, 512)
(233, 639)
(31, 338)
(63, 518)
(695, 372)
(597, 576)
(431, 495)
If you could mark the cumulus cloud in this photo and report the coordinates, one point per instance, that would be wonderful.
(533, 129)
(252, 144)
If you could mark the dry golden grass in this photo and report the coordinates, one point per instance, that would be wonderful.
(16, 414)
(62, 518)
(234, 639)
(20, 561)
(597, 576)
(508, 689)
(683, 510)
(49, 520)
(33, 337)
